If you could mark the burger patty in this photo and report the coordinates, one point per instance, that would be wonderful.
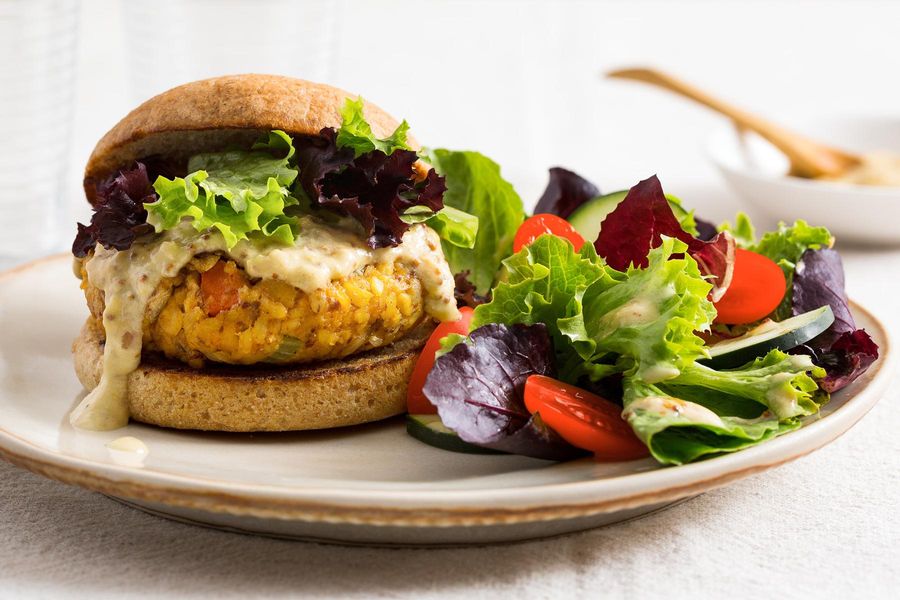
(238, 320)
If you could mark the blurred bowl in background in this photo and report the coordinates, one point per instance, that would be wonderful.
(862, 214)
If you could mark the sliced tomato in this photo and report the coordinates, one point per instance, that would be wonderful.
(220, 288)
(536, 226)
(583, 419)
(757, 287)
(416, 402)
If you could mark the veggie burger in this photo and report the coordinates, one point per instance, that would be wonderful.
(265, 254)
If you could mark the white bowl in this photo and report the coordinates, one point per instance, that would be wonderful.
(860, 214)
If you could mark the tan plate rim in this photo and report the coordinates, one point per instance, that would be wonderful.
(444, 509)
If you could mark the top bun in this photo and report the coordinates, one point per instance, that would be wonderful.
(219, 113)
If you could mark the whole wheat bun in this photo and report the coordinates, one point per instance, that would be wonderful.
(358, 389)
(216, 114)
(220, 113)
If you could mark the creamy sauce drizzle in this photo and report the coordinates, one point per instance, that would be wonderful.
(659, 372)
(321, 254)
(781, 397)
(875, 168)
(673, 407)
(637, 312)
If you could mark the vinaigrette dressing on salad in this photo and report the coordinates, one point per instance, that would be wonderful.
(781, 401)
(636, 312)
(321, 253)
(674, 407)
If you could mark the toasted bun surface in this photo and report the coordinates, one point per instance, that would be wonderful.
(219, 113)
(359, 389)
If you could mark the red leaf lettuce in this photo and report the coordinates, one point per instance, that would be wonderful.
(843, 350)
(119, 215)
(374, 188)
(478, 389)
(565, 192)
(640, 221)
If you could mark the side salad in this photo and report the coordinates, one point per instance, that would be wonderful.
(623, 325)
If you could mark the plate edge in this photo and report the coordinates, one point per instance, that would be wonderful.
(303, 510)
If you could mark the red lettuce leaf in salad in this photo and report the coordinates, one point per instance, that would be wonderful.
(565, 192)
(819, 280)
(706, 230)
(715, 258)
(850, 356)
(638, 224)
(478, 389)
(465, 292)
(374, 188)
(119, 215)
(844, 351)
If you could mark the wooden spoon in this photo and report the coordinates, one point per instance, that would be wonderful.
(807, 157)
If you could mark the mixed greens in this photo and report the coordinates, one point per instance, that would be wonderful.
(632, 317)
(259, 193)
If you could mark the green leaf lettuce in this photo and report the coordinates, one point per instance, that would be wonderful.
(356, 133)
(453, 226)
(238, 193)
(475, 186)
(646, 321)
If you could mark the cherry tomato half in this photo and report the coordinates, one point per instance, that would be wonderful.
(536, 226)
(416, 402)
(583, 419)
(757, 287)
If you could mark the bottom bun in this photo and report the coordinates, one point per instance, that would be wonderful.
(219, 397)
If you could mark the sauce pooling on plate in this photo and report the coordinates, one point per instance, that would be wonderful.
(128, 451)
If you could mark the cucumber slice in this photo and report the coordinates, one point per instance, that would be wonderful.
(429, 429)
(783, 335)
(587, 218)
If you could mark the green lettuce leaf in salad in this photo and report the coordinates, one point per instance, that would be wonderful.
(238, 193)
(645, 323)
(544, 283)
(785, 384)
(742, 231)
(475, 186)
(703, 411)
(679, 431)
(356, 133)
(603, 321)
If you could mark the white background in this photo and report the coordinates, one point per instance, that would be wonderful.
(521, 82)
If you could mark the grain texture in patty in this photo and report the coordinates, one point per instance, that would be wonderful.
(274, 321)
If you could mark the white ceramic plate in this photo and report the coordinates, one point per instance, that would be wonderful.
(370, 484)
(862, 214)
